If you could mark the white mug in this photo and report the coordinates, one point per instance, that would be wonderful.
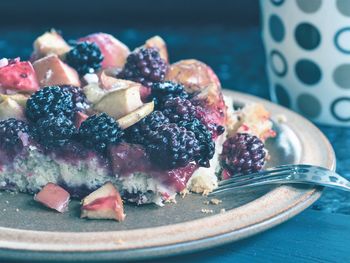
(307, 46)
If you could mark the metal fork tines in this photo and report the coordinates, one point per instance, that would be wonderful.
(286, 174)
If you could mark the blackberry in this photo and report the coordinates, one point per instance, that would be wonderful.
(50, 100)
(78, 96)
(85, 57)
(172, 146)
(144, 66)
(179, 109)
(243, 153)
(54, 131)
(162, 91)
(11, 131)
(144, 129)
(98, 131)
(204, 137)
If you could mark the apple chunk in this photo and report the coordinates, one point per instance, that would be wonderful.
(54, 197)
(50, 43)
(136, 115)
(50, 71)
(9, 108)
(121, 100)
(19, 76)
(103, 203)
(113, 51)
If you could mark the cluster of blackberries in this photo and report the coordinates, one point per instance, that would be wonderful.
(84, 57)
(144, 66)
(172, 134)
(13, 135)
(51, 112)
(163, 91)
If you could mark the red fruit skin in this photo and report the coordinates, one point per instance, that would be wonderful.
(130, 158)
(19, 76)
(112, 202)
(79, 118)
(113, 51)
(144, 93)
(54, 197)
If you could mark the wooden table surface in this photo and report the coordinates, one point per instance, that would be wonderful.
(312, 236)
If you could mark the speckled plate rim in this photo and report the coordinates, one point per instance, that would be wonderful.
(241, 222)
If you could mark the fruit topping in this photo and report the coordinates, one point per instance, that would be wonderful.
(93, 92)
(144, 66)
(21, 99)
(158, 43)
(50, 43)
(99, 131)
(173, 146)
(18, 76)
(136, 115)
(9, 108)
(54, 197)
(54, 131)
(243, 153)
(121, 100)
(127, 158)
(113, 51)
(13, 135)
(51, 71)
(84, 57)
(50, 100)
(178, 109)
(204, 137)
(162, 91)
(79, 118)
(78, 96)
(144, 129)
(103, 203)
(193, 74)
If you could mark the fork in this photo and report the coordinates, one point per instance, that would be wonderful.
(285, 174)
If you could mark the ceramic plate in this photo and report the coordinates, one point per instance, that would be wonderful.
(29, 231)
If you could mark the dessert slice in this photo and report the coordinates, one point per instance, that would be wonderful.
(148, 128)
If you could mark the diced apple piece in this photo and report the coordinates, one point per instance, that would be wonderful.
(104, 203)
(54, 197)
(79, 118)
(193, 74)
(121, 100)
(50, 43)
(21, 99)
(136, 115)
(51, 71)
(9, 108)
(19, 76)
(159, 43)
(113, 51)
(93, 92)
(108, 82)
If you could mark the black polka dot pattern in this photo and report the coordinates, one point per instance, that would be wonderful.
(276, 27)
(308, 72)
(307, 36)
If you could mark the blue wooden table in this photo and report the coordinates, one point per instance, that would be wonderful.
(321, 233)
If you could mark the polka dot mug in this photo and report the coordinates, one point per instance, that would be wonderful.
(307, 44)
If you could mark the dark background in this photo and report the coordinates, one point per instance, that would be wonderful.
(223, 33)
(130, 13)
